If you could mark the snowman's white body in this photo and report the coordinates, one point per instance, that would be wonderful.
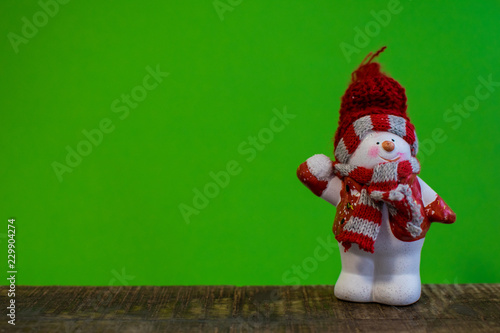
(390, 275)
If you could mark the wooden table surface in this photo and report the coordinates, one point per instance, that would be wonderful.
(457, 308)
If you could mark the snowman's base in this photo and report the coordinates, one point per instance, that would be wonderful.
(397, 290)
(354, 288)
(392, 290)
(387, 277)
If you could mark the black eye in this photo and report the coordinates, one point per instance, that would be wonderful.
(393, 140)
(378, 142)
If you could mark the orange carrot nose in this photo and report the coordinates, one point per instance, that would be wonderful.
(388, 146)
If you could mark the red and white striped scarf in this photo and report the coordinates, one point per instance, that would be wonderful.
(382, 184)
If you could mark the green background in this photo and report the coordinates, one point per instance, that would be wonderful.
(115, 219)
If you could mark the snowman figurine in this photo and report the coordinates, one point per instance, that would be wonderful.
(384, 209)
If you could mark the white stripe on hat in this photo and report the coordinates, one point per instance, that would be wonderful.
(362, 126)
(341, 152)
(414, 146)
(398, 125)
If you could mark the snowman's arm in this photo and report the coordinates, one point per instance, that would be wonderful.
(317, 174)
(435, 207)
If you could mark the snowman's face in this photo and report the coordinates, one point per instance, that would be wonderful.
(380, 147)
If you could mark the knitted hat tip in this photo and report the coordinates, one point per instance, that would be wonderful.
(373, 101)
(367, 67)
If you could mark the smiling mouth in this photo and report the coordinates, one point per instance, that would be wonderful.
(394, 160)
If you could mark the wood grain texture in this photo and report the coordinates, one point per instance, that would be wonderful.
(442, 308)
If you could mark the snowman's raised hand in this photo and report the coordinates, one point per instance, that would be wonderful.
(316, 172)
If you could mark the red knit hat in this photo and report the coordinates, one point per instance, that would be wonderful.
(372, 102)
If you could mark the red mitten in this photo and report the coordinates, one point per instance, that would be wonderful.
(439, 211)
